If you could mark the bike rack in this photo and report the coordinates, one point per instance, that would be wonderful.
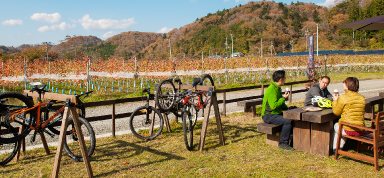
(69, 107)
(212, 102)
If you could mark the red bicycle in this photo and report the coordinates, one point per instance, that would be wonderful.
(189, 103)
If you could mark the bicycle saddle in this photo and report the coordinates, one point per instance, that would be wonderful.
(39, 89)
(196, 81)
(177, 80)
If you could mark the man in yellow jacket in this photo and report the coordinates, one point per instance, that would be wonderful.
(351, 107)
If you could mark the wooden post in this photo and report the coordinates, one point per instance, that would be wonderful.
(56, 166)
(83, 147)
(44, 143)
(212, 101)
(166, 119)
(113, 120)
(224, 108)
(262, 89)
(290, 96)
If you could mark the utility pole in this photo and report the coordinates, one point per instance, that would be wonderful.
(317, 35)
(283, 48)
(170, 50)
(261, 47)
(306, 43)
(202, 61)
(271, 47)
(291, 45)
(353, 36)
(232, 45)
(226, 47)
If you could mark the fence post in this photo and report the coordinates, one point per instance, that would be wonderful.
(290, 96)
(113, 119)
(224, 108)
(262, 89)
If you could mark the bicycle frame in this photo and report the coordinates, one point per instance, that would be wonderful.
(38, 113)
(200, 104)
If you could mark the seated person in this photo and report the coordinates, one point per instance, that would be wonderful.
(318, 89)
(273, 106)
(351, 107)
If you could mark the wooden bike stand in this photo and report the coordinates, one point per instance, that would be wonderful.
(56, 166)
(69, 107)
(212, 101)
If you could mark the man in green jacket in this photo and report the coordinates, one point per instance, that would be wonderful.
(273, 106)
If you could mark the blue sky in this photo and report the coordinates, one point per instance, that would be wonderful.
(35, 22)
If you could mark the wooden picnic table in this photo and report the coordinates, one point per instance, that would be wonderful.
(313, 131)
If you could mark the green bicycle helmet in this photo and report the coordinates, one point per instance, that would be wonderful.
(324, 103)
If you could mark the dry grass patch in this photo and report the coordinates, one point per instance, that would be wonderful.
(245, 155)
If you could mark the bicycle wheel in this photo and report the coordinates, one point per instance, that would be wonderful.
(194, 114)
(165, 95)
(144, 119)
(206, 80)
(7, 151)
(188, 130)
(16, 127)
(56, 128)
(71, 144)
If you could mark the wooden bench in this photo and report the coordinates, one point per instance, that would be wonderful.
(272, 131)
(249, 106)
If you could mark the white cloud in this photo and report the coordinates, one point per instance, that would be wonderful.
(61, 26)
(226, 0)
(102, 24)
(12, 22)
(107, 35)
(44, 17)
(327, 3)
(164, 30)
(29, 34)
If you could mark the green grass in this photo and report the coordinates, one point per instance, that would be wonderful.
(245, 154)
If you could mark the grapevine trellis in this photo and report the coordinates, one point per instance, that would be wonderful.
(119, 75)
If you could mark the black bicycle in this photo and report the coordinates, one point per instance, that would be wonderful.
(146, 122)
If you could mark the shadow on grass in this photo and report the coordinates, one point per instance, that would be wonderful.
(138, 149)
(231, 132)
(4, 172)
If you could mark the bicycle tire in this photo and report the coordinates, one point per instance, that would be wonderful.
(188, 130)
(6, 155)
(73, 149)
(194, 114)
(164, 96)
(206, 80)
(140, 122)
(56, 128)
(11, 102)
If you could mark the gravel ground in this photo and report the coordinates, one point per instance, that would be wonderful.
(369, 88)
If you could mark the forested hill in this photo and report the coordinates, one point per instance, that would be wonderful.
(280, 26)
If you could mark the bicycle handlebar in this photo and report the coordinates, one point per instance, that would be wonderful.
(86, 93)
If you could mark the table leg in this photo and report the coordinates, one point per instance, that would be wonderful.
(321, 138)
(301, 135)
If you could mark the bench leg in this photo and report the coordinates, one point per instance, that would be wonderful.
(273, 139)
(250, 111)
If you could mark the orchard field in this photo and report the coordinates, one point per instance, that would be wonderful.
(121, 77)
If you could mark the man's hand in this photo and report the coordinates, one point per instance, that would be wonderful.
(286, 94)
